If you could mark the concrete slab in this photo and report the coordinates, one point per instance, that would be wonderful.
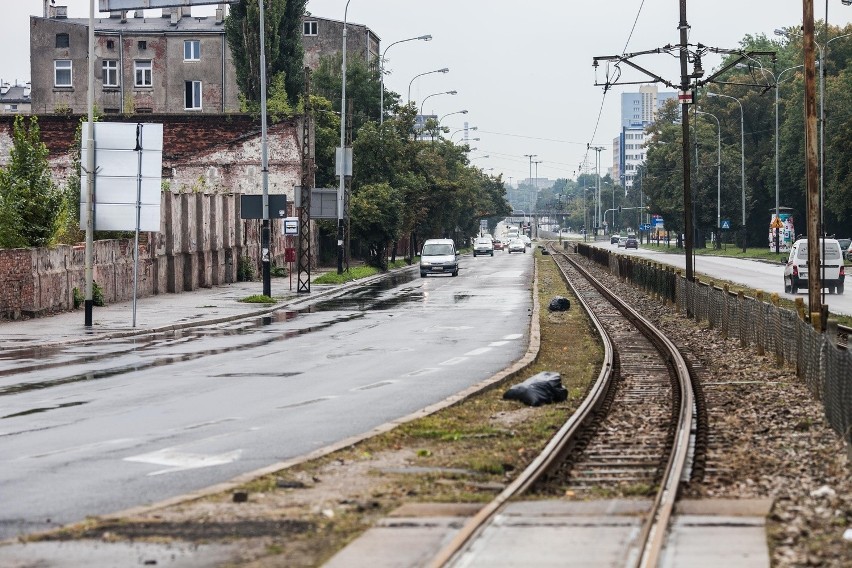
(398, 542)
(73, 554)
(718, 532)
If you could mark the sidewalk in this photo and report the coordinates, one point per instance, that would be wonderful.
(162, 312)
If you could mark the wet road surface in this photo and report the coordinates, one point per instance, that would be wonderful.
(90, 429)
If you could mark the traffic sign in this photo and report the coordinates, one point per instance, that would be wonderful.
(726, 224)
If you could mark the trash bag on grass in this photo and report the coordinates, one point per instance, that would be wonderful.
(559, 304)
(542, 388)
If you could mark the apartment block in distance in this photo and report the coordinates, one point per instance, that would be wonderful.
(175, 63)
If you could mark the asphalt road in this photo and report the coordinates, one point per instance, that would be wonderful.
(756, 274)
(94, 429)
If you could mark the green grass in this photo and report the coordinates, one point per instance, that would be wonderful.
(356, 273)
(258, 299)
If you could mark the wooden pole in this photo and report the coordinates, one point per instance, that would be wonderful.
(811, 163)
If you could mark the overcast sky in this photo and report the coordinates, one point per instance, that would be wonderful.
(523, 70)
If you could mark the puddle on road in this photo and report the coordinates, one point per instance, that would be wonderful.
(44, 409)
(358, 303)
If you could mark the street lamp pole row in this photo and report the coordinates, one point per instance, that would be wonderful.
(382, 72)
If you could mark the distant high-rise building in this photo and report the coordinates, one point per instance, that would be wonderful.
(638, 110)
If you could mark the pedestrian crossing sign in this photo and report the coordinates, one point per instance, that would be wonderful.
(726, 224)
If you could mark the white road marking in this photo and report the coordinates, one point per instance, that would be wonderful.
(498, 343)
(509, 274)
(479, 351)
(454, 361)
(181, 461)
(420, 372)
(513, 336)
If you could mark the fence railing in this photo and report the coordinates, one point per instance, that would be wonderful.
(821, 360)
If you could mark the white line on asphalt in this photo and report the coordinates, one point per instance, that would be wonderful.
(454, 361)
(479, 351)
(513, 336)
(180, 461)
(498, 343)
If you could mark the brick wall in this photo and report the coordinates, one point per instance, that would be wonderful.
(199, 246)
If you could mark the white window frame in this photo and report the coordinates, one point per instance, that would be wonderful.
(109, 72)
(59, 65)
(310, 28)
(146, 68)
(192, 50)
(196, 95)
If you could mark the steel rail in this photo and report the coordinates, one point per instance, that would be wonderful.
(654, 529)
(551, 455)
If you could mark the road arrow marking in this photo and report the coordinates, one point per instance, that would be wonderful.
(180, 461)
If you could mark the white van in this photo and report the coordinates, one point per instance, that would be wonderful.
(832, 271)
(439, 256)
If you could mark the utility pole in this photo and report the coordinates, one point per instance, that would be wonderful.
(684, 120)
(598, 221)
(811, 167)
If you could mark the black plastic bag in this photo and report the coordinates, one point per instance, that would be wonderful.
(559, 304)
(542, 388)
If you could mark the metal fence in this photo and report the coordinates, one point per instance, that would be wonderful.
(823, 364)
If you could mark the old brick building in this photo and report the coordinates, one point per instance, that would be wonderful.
(172, 64)
(177, 63)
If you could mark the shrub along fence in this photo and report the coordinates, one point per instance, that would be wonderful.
(824, 365)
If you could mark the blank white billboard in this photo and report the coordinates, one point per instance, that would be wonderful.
(117, 181)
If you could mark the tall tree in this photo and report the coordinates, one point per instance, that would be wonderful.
(284, 51)
(29, 200)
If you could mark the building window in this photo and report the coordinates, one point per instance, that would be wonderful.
(310, 28)
(143, 45)
(110, 44)
(142, 72)
(191, 50)
(110, 73)
(62, 73)
(62, 40)
(192, 95)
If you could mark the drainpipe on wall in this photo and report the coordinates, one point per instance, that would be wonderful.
(121, 69)
(224, 83)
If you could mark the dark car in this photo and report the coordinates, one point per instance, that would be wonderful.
(632, 243)
(613, 240)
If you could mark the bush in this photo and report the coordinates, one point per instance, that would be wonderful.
(246, 271)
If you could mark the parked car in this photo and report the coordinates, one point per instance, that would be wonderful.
(632, 243)
(796, 270)
(613, 240)
(439, 256)
(499, 245)
(517, 245)
(845, 245)
(483, 245)
(622, 242)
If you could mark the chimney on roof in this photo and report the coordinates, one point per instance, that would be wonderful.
(220, 14)
(175, 14)
(59, 12)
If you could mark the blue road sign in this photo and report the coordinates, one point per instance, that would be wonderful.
(726, 224)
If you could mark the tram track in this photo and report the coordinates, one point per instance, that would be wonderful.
(630, 436)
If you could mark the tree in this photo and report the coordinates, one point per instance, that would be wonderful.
(362, 87)
(30, 203)
(284, 51)
(376, 220)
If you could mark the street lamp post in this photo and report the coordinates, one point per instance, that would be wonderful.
(341, 158)
(742, 157)
(530, 156)
(462, 130)
(444, 70)
(435, 94)
(719, 178)
(382, 73)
